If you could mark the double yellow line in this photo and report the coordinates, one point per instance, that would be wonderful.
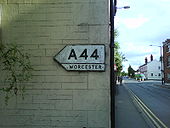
(151, 116)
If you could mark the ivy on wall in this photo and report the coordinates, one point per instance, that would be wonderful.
(17, 67)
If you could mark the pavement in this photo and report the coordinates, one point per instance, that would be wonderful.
(127, 115)
(167, 86)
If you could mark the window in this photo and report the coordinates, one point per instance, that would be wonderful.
(168, 75)
(168, 61)
(151, 74)
(159, 74)
(159, 67)
(168, 48)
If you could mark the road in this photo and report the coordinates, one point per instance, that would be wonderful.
(155, 97)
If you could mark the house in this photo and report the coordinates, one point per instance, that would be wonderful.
(166, 60)
(151, 69)
(143, 68)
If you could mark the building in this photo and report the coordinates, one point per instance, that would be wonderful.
(151, 69)
(55, 97)
(154, 70)
(143, 68)
(166, 60)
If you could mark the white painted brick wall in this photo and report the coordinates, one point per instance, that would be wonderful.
(56, 98)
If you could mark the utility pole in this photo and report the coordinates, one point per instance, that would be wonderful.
(112, 74)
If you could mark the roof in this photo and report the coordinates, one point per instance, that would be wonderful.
(142, 65)
(148, 63)
(167, 41)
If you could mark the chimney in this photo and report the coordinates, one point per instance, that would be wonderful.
(151, 57)
(146, 60)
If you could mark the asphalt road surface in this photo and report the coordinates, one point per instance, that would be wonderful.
(156, 98)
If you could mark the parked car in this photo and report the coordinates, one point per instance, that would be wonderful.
(140, 77)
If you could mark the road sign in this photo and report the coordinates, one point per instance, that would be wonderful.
(82, 57)
(115, 67)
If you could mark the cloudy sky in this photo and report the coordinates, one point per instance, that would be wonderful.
(147, 22)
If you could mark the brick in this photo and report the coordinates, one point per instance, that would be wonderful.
(60, 97)
(51, 98)
(52, 52)
(26, 8)
(47, 61)
(42, 29)
(46, 67)
(34, 1)
(10, 12)
(52, 92)
(34, 17)
(37, 79)
(70, 36)
(59, 16)
(43, 122)
(75, 41)
(28, 126)
(60, 22)
(98, 14)
(61, 7)
(14, 120)
(44, 102)
(69, 124)
(69, 119)
(24, 99)
(48, 86)
(28, 106)
(64, 105)
(60, 113)
(12, 112)
(74, 86)
(95, 33)
(34, 92)
(42, 16)
(66, 79)
(18, 1)
(98, 81)
(29, 46)
(39, 97)
(80, 13)
(51, 46)
(86, 100)
(3, 1)
(36, 52)
(12, 103)
(98, 119)
(35, 60)
(56, 69)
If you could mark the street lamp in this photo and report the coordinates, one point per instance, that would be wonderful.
(124, 7)
(161, 59)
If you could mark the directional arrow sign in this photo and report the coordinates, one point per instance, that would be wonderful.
(82, 57)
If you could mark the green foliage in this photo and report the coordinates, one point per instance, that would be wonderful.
(124, 73)
(131, 72)
(116, 34)
(16, 64)
(118, 56)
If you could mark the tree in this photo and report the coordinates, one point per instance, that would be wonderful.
(124, 73)
(131, 72)
(118, 56)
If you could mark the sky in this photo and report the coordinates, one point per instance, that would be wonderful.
(147, 22)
